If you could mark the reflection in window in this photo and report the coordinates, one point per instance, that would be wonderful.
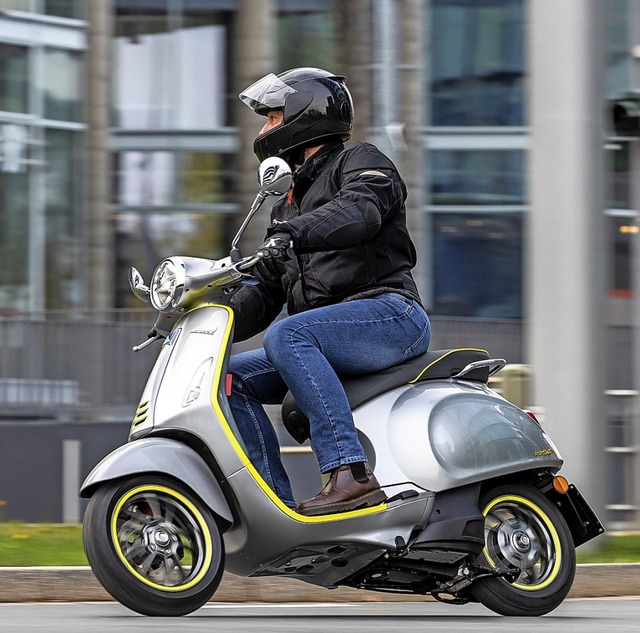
(477, 263)
(175, 182)
(622, 231)
(620, 65)
(63, 284)
(61, 85)
(477, 177)
(145, 178)
(168, 77)
(170, 178)
(204, 178)
(64, 8)
(619, 193)
(477, 62)
(13, 78)
(143, 240)
(14, 241)
(306, 39)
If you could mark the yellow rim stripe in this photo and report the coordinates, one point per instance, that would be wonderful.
(437, 360)
(554, 535)
(199, 518)
(247, 463)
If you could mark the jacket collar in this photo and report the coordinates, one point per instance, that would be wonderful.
(304, 175)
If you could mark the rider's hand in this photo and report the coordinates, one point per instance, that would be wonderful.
(272, 257)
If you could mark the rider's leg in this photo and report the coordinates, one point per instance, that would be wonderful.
(309, 349)
(255, 382)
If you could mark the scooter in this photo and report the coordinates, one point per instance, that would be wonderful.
(475, 509)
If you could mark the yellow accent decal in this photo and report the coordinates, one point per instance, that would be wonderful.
(554, 535)
(250, 467)
(198, 517)
(437, 360)
(141, 414)
(543, 452)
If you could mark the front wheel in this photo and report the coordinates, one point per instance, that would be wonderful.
(153, 545)
(524, 531)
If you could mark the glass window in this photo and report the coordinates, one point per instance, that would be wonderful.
(170, 71)
(13, 78)
(64, 8)
(61, 85)
(477, 263)
(204, 178)
(477, 62)
(144, 239)
(462, 177)
(17, 5)
(172, 180)
(62, 184)
(144, 178)
(306, 39)
(619, 193)
(622, 232)
(14, 220)
(619, 63)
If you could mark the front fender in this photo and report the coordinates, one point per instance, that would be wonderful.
(164, 456)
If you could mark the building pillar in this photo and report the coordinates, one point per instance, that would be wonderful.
(255, 56)
(99, 252)
(566, 245)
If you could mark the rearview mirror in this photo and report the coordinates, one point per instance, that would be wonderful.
(274, 176)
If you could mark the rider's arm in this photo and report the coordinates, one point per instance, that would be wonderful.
(371, 191)
(254, 308)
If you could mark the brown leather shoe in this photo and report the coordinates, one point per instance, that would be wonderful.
(343, 493)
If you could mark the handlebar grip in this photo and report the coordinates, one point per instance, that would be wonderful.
(248, 263)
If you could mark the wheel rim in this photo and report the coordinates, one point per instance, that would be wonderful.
(161, 538)
(518, 533)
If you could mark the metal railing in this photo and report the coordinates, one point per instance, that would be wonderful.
(80, 366)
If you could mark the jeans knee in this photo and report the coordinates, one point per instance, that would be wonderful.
(275, 340)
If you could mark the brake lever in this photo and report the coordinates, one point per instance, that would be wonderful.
(153, 339)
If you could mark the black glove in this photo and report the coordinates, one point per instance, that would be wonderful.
(272, 257)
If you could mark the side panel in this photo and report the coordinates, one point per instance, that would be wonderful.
(161, 456)
(442, 434)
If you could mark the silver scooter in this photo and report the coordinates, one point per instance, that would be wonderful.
(475, 509)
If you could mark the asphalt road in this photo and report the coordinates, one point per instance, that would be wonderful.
(612, 615)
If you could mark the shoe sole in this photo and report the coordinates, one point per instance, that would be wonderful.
(373, 498)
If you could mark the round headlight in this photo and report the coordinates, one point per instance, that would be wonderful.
(167, 285)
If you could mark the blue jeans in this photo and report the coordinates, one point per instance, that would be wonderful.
(305, 353)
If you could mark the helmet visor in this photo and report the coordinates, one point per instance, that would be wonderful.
(266, 94)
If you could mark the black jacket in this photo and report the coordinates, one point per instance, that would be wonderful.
(347, 219)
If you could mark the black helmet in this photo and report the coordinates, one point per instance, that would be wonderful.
(316, 104)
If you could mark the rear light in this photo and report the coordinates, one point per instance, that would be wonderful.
(532, 415)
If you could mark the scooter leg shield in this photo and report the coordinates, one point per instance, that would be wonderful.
(162, 456)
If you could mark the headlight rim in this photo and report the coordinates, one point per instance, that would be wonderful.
(174, 299)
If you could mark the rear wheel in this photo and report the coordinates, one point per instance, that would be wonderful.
(153, 545)
(524, 530)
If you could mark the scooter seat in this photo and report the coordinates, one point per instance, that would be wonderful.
(360, 389)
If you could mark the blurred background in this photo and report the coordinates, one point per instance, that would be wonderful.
(122, 141)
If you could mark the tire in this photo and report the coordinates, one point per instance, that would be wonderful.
(524, 529)
(153, 545)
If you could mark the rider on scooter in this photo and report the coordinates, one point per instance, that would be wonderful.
(339, 254)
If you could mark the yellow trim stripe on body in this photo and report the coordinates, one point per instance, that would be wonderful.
(197, 515)
(552, 530)
(437, 360)
(245, 459)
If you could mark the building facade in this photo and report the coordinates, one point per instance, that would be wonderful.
(122, 141)
(177, 145)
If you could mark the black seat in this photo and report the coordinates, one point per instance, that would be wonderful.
(360, 389)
